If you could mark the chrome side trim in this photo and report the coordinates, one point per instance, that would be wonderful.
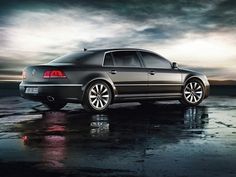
(149, 95)
(166, 84)
(51, 85)
(128, 85)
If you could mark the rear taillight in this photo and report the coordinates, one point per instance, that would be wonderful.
(51, 74)
(23, 74)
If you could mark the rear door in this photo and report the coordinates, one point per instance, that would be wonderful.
(126, 71)
(162, 78)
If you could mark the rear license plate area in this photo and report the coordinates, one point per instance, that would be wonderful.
(31, 90)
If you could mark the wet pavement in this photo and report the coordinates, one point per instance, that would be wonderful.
(130, 139)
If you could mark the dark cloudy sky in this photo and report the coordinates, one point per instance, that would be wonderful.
(199, 34)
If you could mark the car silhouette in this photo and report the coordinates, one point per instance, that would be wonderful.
(98, 78)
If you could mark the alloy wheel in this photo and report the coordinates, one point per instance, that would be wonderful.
(99, 96)
(193, 92)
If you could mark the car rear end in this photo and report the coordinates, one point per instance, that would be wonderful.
(50, 82)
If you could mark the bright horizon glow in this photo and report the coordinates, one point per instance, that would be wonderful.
(211, 50)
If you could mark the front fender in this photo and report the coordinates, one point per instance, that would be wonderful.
(199, 76)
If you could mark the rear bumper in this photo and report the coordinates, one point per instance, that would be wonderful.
(67, 92)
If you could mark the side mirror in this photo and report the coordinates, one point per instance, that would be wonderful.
(175, 65)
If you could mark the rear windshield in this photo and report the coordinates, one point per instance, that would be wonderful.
(74, 57)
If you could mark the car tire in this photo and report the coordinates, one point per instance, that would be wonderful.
(54, 105)
(97, 97)
(193, 93)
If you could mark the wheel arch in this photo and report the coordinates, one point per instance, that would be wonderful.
(107, 81)
(193, 77)
(196, 77)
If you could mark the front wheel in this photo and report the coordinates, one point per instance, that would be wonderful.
(193, 93)
(97, 97)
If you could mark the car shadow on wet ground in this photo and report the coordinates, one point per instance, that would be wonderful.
(127, 140)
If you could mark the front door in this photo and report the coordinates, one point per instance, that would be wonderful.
(162, 78)
(126, 72)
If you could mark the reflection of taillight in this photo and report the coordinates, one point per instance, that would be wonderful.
(23, 74)
(24, 138)
(51, 74)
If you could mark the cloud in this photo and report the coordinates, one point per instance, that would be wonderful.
(61, 29)
(224, 14)
(195, 33)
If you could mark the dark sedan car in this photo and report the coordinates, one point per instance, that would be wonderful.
(98, 78)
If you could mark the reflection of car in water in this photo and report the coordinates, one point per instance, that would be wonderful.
(85, 140)
(98, 78)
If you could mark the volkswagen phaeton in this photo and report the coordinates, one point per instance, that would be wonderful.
(99, 78)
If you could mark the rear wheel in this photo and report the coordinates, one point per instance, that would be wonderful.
(54, 105)
(97, 97)
(193, 93)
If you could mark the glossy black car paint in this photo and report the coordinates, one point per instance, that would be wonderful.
(126, 83)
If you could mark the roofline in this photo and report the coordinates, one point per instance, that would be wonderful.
(118, 49)
(127, 49)
(123, 49)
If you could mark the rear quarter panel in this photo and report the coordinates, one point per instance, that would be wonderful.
(87, 75)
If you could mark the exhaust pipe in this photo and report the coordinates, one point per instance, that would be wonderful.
(50, 98)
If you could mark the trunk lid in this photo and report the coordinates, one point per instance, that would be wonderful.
(35, 73)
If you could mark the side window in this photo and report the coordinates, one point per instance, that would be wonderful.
(126, 59)
(108, 60)
(154, 61)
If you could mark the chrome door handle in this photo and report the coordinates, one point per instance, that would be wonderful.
(152, 72)
(113, 71)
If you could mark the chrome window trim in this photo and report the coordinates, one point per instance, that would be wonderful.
(123, 50)
(161, 57)
(138, 51)
(104, 55)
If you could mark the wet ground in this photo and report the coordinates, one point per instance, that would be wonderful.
(164, 139)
